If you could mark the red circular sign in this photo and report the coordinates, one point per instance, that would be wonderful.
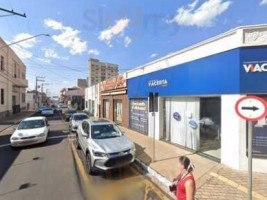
(251, 108)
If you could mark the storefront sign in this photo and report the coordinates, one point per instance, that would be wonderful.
(193, 124)
(251, 108)
(177, 116)
(117, 82)
(255, 67)
(162, 82)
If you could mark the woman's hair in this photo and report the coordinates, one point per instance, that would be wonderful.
(185, 161)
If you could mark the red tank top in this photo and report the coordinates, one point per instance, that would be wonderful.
(181, 192)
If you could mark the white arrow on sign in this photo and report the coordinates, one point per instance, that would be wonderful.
(251, 108)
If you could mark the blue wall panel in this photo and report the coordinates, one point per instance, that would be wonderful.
(217, 74)
(253, 82)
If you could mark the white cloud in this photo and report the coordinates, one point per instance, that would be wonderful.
(93, 52)
(118, 28)
(263, 2)
(27, 43)
(22, 48)
(127, 41)
(51, 53)
(68, 38)
(45, 60)
(21, 52)
(153, 55)
(203, 16)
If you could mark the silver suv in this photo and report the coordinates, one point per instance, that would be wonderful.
(104, 145)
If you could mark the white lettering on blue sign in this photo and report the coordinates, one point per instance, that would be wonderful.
(255, 67)
(154, 83)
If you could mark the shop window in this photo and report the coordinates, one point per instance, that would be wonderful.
(259, 136)
(2, 63)
(23, 98)
(2, 96)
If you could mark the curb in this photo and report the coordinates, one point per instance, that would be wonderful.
(16, 122)
(157, 178)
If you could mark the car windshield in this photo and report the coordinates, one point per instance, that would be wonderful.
(47, 109)
(31, 124)
(105, 131)
(80, 117)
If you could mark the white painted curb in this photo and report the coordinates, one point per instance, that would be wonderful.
(159, 178)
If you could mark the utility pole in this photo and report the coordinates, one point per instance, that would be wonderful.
(13, 12)
(38, 79)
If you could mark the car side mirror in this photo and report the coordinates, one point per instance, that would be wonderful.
(48, 124)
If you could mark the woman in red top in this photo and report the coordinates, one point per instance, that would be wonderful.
(185, 184)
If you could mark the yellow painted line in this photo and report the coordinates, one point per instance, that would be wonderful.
(79, 164)
(237, 186)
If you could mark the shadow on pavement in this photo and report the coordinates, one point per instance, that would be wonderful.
(142, 155)
(8, 154)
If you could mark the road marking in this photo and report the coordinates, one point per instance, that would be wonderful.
(237, 186)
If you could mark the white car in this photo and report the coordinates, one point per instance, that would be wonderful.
(47, 112)
(32, 130)
(104, 145)
(75, 120)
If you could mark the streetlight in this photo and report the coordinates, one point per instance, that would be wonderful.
(29, 38)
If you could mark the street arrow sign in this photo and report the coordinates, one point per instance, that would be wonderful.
(251, 108)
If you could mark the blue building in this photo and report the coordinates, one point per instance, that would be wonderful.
(198, 88)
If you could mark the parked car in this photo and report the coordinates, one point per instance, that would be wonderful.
(47, 112)
(32, 130)
(104, 145)
(76, 119)
(68, 114)
(41, 108)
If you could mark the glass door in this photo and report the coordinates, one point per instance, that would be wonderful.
(118, 111)
(210, 126)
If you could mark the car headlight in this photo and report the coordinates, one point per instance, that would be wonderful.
(100, 154)
(41, 135)
(14, 138)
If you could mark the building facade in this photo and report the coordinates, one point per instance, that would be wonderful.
(198, 88)
(13, 82)
(31, 100)
(114, 100)
(92, 100)
(100, 71)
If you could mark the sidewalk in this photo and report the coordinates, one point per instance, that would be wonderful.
(214, 180)
(14, 119)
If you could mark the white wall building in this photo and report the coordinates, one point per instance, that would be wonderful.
(92, 100)
(198, 88)
(13, 82)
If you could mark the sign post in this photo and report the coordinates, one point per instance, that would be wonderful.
(251, 108)
(153, 107)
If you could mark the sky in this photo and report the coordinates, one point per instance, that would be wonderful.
(125, 32)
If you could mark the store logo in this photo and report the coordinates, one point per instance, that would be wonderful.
(177, 116)
(154, 83)
(252, 67)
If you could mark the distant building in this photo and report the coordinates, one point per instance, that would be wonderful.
(13, 82)
(100, 71)
(82, 83)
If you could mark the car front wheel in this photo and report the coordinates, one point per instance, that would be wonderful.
(88, 166)
(77, 144)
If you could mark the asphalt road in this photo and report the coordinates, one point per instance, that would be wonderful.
(55, 170)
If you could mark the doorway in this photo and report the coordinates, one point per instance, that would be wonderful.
(210, 126)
